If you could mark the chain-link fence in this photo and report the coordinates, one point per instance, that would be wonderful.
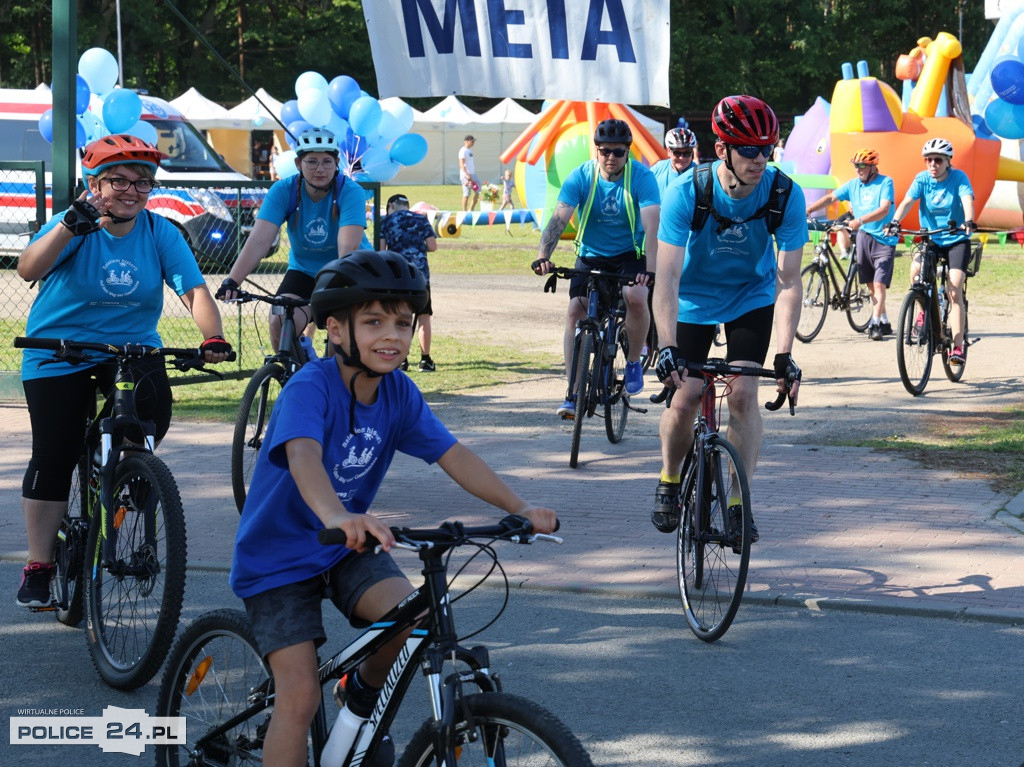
(214, 219)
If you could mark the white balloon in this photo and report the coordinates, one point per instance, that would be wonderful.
(310, 81)
(402, 113)
(315, 107)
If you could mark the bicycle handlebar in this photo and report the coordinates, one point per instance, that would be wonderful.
(828, 224)
(565, 273)
(720, 368)
(951, 229)
(71, 351)
(511, 528)
(244, 297)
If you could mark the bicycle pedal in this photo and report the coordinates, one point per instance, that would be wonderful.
(48, 609)
(568, 417)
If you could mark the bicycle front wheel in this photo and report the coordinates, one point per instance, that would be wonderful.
(498, 728)
(858, 303)
(133, 602)
(713, 541)
(251, 426)
(616, 401)
(584, 358)
(213, 670)
(914, 342)
(815, 302)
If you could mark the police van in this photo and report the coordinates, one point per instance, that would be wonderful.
(214, 221)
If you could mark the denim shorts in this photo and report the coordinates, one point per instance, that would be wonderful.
(291, 614)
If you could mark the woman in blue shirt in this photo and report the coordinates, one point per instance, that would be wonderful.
(102, 265)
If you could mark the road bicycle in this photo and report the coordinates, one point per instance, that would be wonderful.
(822, 287)
(217, 680)
(599, 353)
(713, 538)
(120, 550)
(923, 325)
(263, 388)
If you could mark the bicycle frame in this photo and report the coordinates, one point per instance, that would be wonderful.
(827, 257)
(605, 323)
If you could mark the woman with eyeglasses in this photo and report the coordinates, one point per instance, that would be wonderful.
(724, 270)
(102, 266)
(946, 195)
(325, 214)
(681, 144)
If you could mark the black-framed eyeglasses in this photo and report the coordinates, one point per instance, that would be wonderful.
(606, 151)
(121, 184)
(937, 160)
(682, 153)
(750, 152)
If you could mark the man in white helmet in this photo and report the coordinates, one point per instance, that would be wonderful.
(681, 144)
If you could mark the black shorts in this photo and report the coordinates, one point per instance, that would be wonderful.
(626, 264)
(958, 254)
(297, 283)
(747, 337)
(291, 614)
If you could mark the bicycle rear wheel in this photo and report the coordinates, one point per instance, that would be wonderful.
(955, 372)
(133, 603)
(616, 401)
(211, 673)
(711, 564)
(914, 342)
(497, 728)
(815, 302)
(858, 305)
(251, 426)
(69, 550)
(584, 359)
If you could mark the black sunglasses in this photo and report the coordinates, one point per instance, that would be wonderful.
(682, 153)
(605, 151)
(750, 152)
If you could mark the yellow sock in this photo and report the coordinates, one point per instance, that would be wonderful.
(735, 500)
(675, 479)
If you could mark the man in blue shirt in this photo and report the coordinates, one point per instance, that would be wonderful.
(619, 208)
(726, 272)
(872, 197)
(681, 144)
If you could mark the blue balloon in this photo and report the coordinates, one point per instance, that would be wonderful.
(342, 91)
(409, 149)
(82, 94)
(375, 155)
(1004, 119)
(353, 146)
(144, 131)
(290, 111)
(46, 125)
(364, 115)
(80, 138)
(121, 110)
(981, 129)
(94, 127)
(296, 129)
(1008, 80)
(383, 172)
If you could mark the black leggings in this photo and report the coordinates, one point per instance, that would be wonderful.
(58, 407)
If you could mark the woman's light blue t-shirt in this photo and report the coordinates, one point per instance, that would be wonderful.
(941, 202)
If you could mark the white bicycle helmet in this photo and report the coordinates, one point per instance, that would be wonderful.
(680, 138)
(316, 140)
(937, 146)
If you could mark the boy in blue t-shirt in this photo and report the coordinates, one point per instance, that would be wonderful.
(333, 433)
(410, 234)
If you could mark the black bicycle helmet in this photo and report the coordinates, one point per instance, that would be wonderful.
(363, 276)
(613, 132)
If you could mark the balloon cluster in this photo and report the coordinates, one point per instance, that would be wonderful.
(1004, 114)
(100, 108)
(373, 138)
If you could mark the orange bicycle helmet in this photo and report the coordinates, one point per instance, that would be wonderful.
(745, 121)
(119, 149)
(865, 156)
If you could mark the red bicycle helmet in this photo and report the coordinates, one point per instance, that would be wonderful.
(119, 149)
(865, 156)
(745, 121)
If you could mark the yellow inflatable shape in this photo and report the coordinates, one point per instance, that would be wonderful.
(1010, 170)
(893, 101)
(448, 227)
(846, 115)
(940, 52)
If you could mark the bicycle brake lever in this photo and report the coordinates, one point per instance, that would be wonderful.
(552, 283)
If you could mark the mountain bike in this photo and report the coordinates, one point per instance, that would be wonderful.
(713, 538)
(823, 289)
(599, 353)
(263, 388)
(120, 550)
(218, 681)
(923, 326)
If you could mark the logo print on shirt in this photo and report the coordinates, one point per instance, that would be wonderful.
(316, 232)
(940, 199)
(359, 453)
(610, 205)
(119, 280)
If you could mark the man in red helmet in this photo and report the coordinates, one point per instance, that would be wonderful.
(717, 265)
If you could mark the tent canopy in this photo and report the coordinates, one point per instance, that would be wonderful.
(206, 114)
(252, 110)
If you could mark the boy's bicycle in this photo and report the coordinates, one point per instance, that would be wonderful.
(598, 366)
(217, 680)
(261, 392)
(923, 325)
(120, 550)
(823, 290)
(713, 538)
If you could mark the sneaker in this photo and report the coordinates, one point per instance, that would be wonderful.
(886, 328)
(666, 507)
(567, 410)
(426, 365)
(735, 521)
(875, 333)
(919, 320)
(35, 585)
(956, 356)
(634, 378)
(404, 365)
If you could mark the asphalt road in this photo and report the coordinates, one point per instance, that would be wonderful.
(783, 687)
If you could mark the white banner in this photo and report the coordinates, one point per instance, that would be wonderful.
(580, 50)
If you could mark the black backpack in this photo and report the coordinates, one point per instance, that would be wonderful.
(772, 211)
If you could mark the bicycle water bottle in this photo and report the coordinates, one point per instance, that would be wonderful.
(343, 736)
(307, 344)
(942, 299)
